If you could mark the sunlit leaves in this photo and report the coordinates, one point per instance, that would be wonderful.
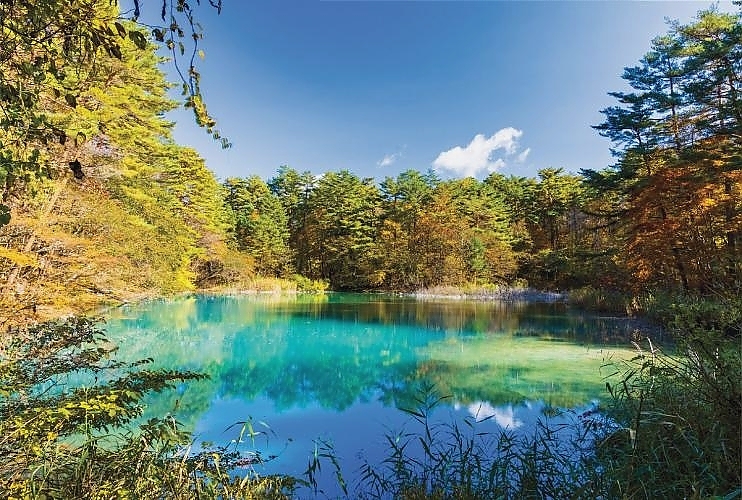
(51, 55)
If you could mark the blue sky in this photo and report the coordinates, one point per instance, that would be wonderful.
(378, 87)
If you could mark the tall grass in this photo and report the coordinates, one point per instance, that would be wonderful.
(448, 460)
(682, 412)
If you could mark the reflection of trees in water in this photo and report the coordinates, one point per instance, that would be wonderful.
(461, 316)
(342, 349)
(334, 386)
(504, 385)
(456, 316)
(329, 364)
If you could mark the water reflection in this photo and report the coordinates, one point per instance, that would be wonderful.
(342, 348)
(504, 416)
(358, 435)
(340, 365)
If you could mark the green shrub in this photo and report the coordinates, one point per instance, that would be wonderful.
(66, 414)
(304, 284)
(680, 413)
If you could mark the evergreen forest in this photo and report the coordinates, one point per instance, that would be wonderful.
(99, 205)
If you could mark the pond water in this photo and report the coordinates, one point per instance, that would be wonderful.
(337, 368)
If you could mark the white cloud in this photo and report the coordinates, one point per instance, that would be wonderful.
(522, 156)
(504, 415)
(478, 156)
(496, 165)
(389, 159)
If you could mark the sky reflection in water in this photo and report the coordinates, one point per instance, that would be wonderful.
(338, 367)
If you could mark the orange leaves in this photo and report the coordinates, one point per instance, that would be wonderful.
(681, 220)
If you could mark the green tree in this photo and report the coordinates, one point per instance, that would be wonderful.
(406, 196)
(488, 249)
(260, 225)
(677, 179)
(519, 198)
(558, 198)
(341, 228)
(293, 190)
(404, 200)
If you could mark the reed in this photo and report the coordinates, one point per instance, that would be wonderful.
(680, 412)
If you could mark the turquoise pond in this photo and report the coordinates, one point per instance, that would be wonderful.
(337, 368)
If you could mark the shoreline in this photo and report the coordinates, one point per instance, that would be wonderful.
(100, 309)
(505, 294)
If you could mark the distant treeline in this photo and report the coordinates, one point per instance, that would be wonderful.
(99, 202)
(667, 214)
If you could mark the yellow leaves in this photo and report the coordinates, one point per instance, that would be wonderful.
(377, 278)
(19, 258)
(680, 223)
(708, 203)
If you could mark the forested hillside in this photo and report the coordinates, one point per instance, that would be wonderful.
(100, 204)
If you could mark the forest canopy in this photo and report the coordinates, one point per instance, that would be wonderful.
(99, 203)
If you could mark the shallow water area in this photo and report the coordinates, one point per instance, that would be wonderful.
(310, 371)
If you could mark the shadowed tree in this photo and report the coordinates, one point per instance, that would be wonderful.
(677, 183)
